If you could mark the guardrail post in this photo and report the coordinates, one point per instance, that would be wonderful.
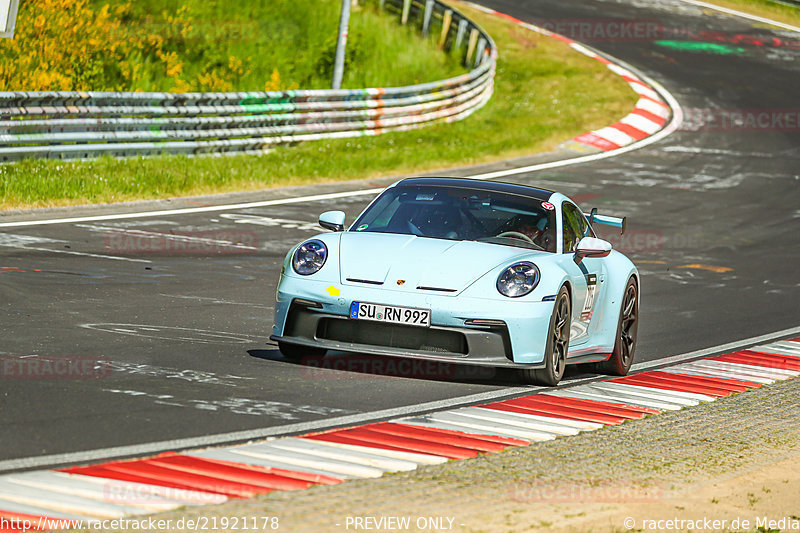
(341, 43)
(480, 52)
(406, 11)
(8, 17)
(446, 20)
(462, 30)
(426, 19)
(473, 41)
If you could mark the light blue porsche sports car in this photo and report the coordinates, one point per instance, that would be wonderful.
(463, 271)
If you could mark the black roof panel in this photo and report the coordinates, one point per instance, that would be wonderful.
(482, 185)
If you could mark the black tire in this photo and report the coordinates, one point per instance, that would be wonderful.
(627, 329)
(296, 352)
(555, 356)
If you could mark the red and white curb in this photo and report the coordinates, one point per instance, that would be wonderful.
(37, 500)
(649, 115)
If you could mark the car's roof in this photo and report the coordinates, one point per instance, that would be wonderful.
(464, 183)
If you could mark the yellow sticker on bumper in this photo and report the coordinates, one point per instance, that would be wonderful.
(333, 291)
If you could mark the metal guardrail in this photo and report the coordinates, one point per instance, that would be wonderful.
(791, 3)
(82, 125)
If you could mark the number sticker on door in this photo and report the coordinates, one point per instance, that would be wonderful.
(591, 290)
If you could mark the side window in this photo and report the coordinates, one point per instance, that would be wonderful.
(575, 227)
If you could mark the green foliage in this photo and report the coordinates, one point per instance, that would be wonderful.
(545, 93)
(195, 45)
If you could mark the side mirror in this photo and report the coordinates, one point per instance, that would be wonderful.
(591, 247)
(332, 220)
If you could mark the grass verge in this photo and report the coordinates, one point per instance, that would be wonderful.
(545, 93)
(192, 45)
(764, 8)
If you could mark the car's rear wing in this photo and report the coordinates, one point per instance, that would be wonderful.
(606, 220)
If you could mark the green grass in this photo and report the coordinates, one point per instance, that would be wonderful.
(195, 45)
(545, 93)
(764, 8)
(295, 38)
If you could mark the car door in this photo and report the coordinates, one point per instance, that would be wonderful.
(587, 277)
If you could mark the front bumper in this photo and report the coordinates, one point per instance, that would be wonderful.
(307, 314)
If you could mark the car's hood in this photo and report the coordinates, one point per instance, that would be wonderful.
(449, 266)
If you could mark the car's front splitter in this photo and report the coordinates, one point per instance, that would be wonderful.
(309, 314)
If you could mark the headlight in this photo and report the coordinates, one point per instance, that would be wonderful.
(309, 257)
(518, 280)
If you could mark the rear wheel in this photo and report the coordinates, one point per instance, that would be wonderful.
(555, 356)
(627, 328)
(295, 352)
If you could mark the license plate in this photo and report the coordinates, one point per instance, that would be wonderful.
(390, 313)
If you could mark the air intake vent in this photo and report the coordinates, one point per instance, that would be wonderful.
(440, 289)
(367, 281)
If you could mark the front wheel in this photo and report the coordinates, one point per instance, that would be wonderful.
(555, 356)
(627, 328)
(295, 352)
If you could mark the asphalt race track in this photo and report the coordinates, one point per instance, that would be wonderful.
(178, 336)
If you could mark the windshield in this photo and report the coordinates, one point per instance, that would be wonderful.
(462, 214)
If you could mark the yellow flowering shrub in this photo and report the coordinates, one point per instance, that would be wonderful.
(73, 45)
(63, 45)
(201, 45)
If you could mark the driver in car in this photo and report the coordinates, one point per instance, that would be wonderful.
(441, 221)
(538, 232)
